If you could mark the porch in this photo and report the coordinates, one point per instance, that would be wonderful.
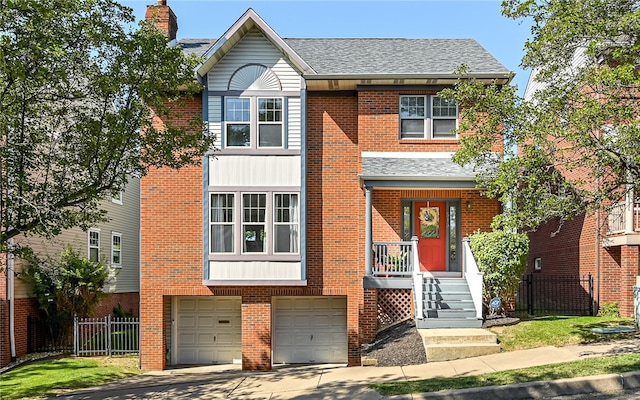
(440, 299)
(418, 207)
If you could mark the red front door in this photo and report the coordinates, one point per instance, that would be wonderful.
(432, 235)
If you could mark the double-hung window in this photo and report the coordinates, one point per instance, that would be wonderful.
(94, 245)
(266, 224)
(254, 213)
(222, 222)
(254, 122)
(285, 223)
(116, 249)
(427, 117)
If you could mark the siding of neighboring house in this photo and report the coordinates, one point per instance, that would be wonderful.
(123, 288)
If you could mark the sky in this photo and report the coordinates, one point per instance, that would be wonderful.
(481, 20)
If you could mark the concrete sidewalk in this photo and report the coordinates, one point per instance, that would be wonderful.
(339, 382)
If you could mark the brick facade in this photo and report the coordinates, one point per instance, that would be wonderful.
(575, 248)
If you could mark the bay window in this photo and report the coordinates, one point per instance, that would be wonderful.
(254, 224)
(427, 117)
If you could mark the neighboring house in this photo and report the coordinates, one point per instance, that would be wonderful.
(603, 244)
(292, 242)
(116, 243)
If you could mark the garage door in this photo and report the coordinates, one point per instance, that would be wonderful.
(310, 330)
(208, 330)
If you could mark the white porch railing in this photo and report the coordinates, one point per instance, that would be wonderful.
(617, 218)
(473, 276)
(392, 259)
(418, 281)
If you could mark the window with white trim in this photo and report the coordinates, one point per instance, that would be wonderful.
(117, 197)
(254, 214)
(286, 224)
(94, 245)
(427, 117)
(254, 122)
(222, 223)
(260, 216)
(116, 249)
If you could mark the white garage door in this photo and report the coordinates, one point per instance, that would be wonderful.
(310, 330)
(208, 330)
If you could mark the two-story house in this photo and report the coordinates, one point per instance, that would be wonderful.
(331, 195)
(116, 243)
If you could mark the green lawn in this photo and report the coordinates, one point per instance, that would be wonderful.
(49, 378)
(549, 331)
(558, 331)
(586, 367)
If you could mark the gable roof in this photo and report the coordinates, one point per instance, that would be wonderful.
(364, 58)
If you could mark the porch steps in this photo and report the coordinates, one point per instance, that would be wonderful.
(454, 344)
(447, 304)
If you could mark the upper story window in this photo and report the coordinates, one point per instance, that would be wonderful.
(94, 245)
(427, 117)
(254, 122)
(267, 223)
(116, 249)
(117, 197)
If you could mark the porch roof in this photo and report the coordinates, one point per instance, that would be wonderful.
(423, 169)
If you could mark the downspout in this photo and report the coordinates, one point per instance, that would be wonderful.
(10, 297)
(303, 179)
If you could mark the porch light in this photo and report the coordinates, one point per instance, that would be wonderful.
(469, 207)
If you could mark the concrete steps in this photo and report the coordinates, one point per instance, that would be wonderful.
(454, 344)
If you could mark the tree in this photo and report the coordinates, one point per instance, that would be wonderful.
(65, 288)
(577, 135)
(79, 87)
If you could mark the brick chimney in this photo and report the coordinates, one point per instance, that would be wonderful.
(163, 18)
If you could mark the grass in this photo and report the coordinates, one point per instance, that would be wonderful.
(549, 331)
(586, 367)
(558, 331)
(49, 378)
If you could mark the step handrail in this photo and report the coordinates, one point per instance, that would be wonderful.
(417, 278)
(473, 276)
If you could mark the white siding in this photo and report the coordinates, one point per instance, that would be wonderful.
(254, 170)
(253, 48)
(215, 119)
(294, 124)
(254, 270)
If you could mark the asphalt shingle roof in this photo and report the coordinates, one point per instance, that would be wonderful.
(394, 56)
(415, 168)
(382, 56)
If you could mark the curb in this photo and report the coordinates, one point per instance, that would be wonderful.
(610, 383)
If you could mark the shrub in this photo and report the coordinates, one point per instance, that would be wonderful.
(609, 309)
(502, 256)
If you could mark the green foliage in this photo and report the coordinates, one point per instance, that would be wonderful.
(119, 312)
(501, 255)
(80, 86)
(609, 310)
(577, 134)
(64, 288)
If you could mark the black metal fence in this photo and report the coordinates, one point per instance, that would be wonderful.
(568, 295)
(44, 337)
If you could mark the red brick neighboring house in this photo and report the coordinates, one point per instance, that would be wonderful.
(604, 244)
(331, 198)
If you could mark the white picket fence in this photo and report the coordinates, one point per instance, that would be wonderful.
(106, 336)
